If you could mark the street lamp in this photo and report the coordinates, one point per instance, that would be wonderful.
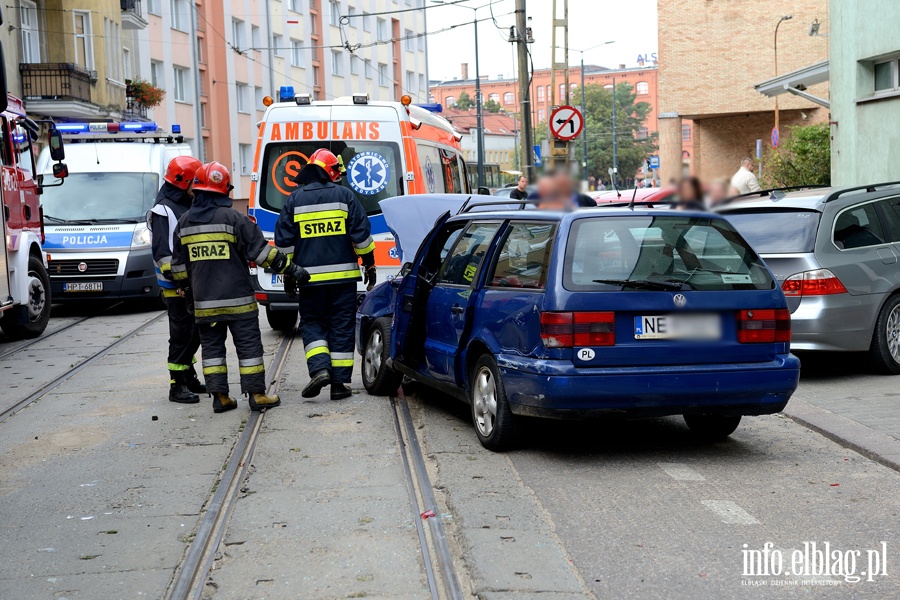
(777, 25)
(584, 147)
(479, 118)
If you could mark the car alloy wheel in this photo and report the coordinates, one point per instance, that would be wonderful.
(484, 396)
(892, 333)
(372, 357)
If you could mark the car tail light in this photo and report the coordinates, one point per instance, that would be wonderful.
(261, 296)
(820, 282)
(764, 326)
(567, 329)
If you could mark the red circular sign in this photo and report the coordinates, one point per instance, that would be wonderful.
(566, 123)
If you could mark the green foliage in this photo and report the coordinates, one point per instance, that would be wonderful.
(492, 106)
(630, 116)
(803, 158)
(464, 102)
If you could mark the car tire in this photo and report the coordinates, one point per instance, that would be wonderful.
(281, 320)
(712, 427)
(495, 425)
(30, 320)
(885, 348)
(378, 378)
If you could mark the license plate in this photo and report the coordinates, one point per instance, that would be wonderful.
(678, 327)
(277, 279)
(83, 287)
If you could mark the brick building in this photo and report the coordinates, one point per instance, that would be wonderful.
(500, 135)
(711, 54)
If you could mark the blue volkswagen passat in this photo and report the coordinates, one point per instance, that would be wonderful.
(572, 315)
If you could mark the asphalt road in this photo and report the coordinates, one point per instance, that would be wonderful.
(99, 499)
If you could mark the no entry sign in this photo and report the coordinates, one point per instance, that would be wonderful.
(566, 122)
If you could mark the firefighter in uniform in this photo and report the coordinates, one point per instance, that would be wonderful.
(173, 200)
(212, 248)
(325, 225)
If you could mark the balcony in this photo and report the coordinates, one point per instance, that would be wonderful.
(56, 81)
(132, 14)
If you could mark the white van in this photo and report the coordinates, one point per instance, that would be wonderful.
(97, 240)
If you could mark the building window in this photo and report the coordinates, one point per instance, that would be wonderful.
(410, 40)
(382, 75)
(351, 13)
(153, 7)
(540, 93)
(643, 133)
(126, 64)
(315, 75)
(245, 152)
(542, 115)
(31, 41)
(337, 64)
(562, 92)
(237, 33)
(258, 98)
(334, 15)
(296, 53)
(113, 43)
(203, 115)
(178, 14)
(494, 98)
(382, 30)
(422, 87)
(179, 79)
(294, 5)
(685, 133)
(450, 101)
(156, 74)
(411, 82)
(354, 64)
(642, 88)
(84, 39)
(368, 68)
(255, 40)
(422, 43)
(367, 22)
(886, 76)
(242, 92)
(278, 45)
(509, 98)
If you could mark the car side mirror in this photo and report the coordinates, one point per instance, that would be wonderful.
(405, 269)
(55, 143)
(60, 170)
(484, 191)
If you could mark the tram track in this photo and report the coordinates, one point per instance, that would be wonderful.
(75, 369)
(47, 335)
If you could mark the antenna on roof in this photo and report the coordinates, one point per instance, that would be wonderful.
(633, 197)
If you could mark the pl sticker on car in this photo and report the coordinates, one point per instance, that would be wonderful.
(368, 173)
(585, 354)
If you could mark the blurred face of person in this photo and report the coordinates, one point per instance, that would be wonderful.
(523, 181)
(686, 192)
(718, 191)
(556, 193)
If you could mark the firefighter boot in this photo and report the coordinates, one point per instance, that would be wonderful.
(193, 382)
(317, 381)
(259, 401)
(222, 402)
(339, 391)
(179, 391)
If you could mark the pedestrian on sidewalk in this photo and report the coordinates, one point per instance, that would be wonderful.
(172, 201)
(213, 246)
(744, 181)
(520, 193)
(324, 224)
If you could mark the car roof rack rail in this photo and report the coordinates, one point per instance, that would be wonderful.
(644, 203)
(872, 187)
(773, 193)
(468, 205)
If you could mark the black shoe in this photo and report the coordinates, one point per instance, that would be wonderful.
(222, 402)
(178, 392)
(193, 382)
(318, 380)
(339, 391)
(259, 401)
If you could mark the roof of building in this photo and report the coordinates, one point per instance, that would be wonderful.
(588, 70)
(494, 123)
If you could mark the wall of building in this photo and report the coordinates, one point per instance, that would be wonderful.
(865, 135)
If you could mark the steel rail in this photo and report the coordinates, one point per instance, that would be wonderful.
(198, 561)
(56, 382)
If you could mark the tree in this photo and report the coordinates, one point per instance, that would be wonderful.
(803, 158)
(492, 106)
(635, 144)
(464, 102)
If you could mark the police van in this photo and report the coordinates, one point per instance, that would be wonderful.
(388, 148)
(95, 228)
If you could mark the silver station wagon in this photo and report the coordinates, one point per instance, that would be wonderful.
(836, 254)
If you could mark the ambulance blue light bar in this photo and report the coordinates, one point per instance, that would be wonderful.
(129, 126)
(286, 93)
(434, 107)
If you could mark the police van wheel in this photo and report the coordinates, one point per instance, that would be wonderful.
(378, 378)
(281, 320)
(29, 320)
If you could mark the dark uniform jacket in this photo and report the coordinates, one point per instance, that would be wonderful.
(324, 226)
(213, 245)
(171, 204)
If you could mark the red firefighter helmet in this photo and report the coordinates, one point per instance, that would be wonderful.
(180, 171)
(332, 164)
(212, 177)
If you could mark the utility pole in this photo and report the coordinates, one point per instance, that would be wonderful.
(559, 150)
(615, 137)
(527, 137)
(584, 157)
(479, 118)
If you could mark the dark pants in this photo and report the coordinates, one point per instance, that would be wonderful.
(247, 342)
(328, 324)
(184, 337)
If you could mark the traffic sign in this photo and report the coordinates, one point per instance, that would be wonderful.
(654, 162)
(775, 137)
(537, 155)
(566, 122)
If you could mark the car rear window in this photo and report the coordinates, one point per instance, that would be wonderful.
(777, 231)
(650, 252)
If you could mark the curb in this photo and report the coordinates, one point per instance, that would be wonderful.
(879, 447)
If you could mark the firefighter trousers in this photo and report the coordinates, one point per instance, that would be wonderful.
(248, 343)
(184, 338)
(328, 324)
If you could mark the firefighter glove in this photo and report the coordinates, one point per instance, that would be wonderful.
(371, 278)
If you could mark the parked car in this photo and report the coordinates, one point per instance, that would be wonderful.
(662, 195)
(571, 315)
(835, 254)
(506, 191)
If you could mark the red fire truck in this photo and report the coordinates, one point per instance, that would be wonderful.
(24, 285)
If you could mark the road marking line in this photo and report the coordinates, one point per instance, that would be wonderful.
(680, 472)
(730, 512)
